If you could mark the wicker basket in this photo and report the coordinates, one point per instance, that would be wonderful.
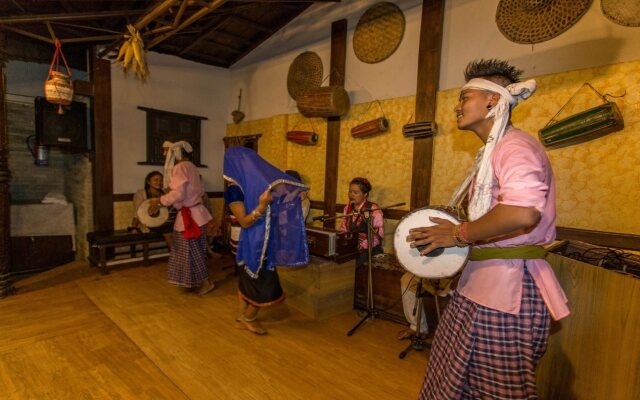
(622, 12)
(328, 101)
(379, 33)
(536, 21)
(305, 72)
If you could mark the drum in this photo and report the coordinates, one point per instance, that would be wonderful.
(328, 101)
(303, 137)
(440, 263)
(370, 128)
(152, 221)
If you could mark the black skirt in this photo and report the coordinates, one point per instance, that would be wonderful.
(262, 291)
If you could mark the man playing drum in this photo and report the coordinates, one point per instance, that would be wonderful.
(495, 329)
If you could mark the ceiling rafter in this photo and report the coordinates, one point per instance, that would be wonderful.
(190, 20)
(214, 32)
(28, 19)
(207, 32)
(276, 26)
(254, 24)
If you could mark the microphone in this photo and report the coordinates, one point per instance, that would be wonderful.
(319, 218)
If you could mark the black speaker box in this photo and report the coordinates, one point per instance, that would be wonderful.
(67, 131)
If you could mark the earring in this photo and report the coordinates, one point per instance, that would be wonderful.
(489, 106)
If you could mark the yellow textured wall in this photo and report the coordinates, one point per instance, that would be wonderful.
(598, 181)
(123, 212)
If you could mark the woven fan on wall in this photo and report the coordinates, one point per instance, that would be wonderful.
(622, 12)
(379, 32)
(536, 21)
(305, 72)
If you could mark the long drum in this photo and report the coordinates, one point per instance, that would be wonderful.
(370, 128)
(303, 137)
(328, 101)
(440, 263)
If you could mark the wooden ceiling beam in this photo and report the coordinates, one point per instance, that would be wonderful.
(237, 38)
(149, 15)
(193, 18)
(153, 13)
(207, 32)
(50, 29)
(18, 6)
(254, 24)
(226, 46)
(29, 34)
(98, 38)
(30, 19)
(276, 26)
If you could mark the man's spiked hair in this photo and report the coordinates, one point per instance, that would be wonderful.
(492, 67)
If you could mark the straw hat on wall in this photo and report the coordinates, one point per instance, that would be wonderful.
(535, 21)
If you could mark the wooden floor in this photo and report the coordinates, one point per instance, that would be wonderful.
(71, 333)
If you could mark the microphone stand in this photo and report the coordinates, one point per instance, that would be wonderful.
(417, 339)
(371, 312)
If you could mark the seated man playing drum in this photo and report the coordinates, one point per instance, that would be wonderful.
(495, 329)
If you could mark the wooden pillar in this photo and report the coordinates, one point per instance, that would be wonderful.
(5, 207)
(102, 145)
(336, 78)
(427, 89)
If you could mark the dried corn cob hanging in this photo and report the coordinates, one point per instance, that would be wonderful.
(132, 54)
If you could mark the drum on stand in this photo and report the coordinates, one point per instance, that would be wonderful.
(440, 263)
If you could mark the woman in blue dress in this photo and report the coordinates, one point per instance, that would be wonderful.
(266, 203)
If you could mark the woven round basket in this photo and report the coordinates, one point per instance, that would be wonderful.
(379, 32)
(622, 12)
(305, 72)
(535, 21)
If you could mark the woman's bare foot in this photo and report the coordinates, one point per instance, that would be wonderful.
(253, 326)
(206, 287)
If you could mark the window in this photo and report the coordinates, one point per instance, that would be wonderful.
(165, 125)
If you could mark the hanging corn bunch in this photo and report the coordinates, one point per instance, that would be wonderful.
(132, 54)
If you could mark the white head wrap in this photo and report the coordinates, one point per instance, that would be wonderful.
(482, 169)
(174, 152)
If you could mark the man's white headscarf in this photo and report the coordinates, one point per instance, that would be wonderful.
(482, 169)
(174, 152)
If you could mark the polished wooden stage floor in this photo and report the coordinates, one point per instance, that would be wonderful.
(71, 333)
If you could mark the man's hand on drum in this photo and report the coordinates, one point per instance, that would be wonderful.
(439, 235)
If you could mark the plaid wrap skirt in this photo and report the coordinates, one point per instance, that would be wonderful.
(482, 353)
(188, 260)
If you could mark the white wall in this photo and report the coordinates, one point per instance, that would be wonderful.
(470, 32)
(175, 85)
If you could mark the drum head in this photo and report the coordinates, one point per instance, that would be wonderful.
(150, 220)
(445, 265)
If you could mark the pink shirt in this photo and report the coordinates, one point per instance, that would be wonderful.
(522, 177)
(186, 191)
(377, 222)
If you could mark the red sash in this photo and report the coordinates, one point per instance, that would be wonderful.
(191, 229)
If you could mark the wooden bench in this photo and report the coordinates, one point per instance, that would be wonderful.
(102, 246)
